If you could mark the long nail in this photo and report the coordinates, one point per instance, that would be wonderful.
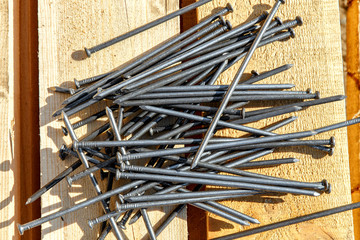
(145, 27)
(291, 221)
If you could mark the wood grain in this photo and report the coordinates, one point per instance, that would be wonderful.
(316, 55)
(353, 102)
(65, 27)
(26, 91)
(7, 163)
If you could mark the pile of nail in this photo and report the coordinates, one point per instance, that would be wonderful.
(162, 103)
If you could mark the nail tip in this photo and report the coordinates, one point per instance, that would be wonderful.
(256, 221)
(28, 201)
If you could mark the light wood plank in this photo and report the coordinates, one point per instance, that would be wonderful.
(68, 26)
(316, 55)
(7, 163)
(353, 102)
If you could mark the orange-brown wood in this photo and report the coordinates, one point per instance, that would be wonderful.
(353, 103)
(27, 151)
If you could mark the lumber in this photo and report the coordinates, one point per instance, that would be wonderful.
(316, 55)
(353, 102)
(65, 28)
(7, 163)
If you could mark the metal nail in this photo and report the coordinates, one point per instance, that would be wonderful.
(147, 26)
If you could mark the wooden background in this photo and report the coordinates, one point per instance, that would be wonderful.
(7, 163)
(316, 55)
(64, 27)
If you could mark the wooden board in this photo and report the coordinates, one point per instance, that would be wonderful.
(7, 163)
(316, 55)
(353, 102)
(65, 27)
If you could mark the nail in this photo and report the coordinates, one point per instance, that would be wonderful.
(79, 83)
(63, 90)
(207, 176)
(126, 206)
(172, 196)
(227, 210)
(299, 104)
(242, 87)
(53, 182)
(148, 224)
(268, 74)
(113, 125)
(267, 163)
(145, 27)
(291, 221)
(236, 98)
(218, 72)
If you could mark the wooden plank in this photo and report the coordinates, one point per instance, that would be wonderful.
(26, 102)
(353, 102)
(7, 163)
(316, 55)
(67, 26)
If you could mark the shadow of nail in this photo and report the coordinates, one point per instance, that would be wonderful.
(79, 55)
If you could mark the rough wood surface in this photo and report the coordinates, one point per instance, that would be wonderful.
(64, 28)
(7, 163)
(353, 102)
(316, 55)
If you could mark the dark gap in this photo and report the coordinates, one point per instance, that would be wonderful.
(196, 218)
